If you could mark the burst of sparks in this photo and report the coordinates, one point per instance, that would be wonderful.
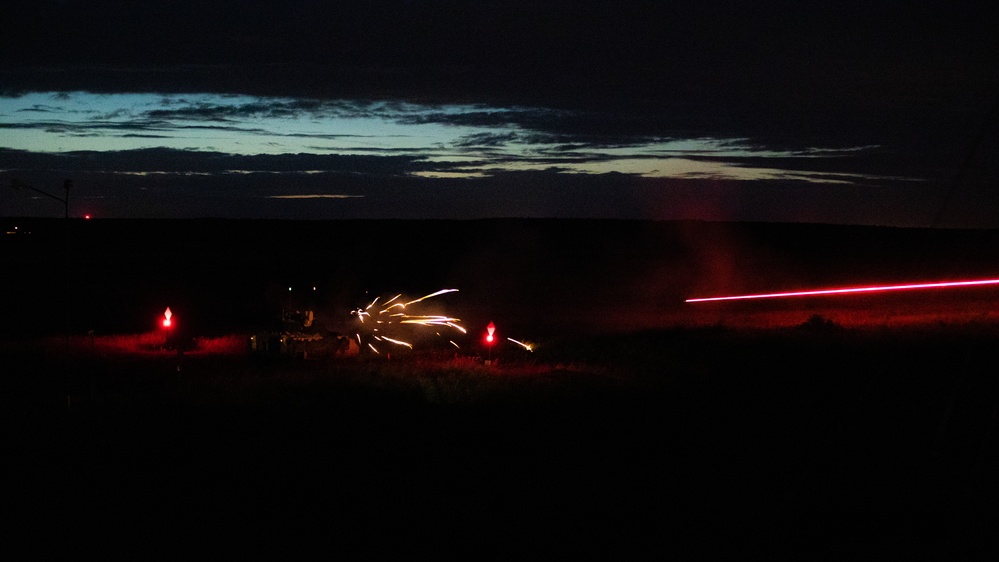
(865, 289)
(393, 312)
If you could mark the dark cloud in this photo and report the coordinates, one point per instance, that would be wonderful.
(542, 53)
(190, 161)
(189, 185)
(40, 109)
(225, 112)
(101, 128)
(479, 140)
(916, 80)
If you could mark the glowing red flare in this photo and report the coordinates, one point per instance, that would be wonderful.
(867, 289)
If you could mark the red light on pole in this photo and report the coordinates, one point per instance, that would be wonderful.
(166, 318)
(490, 339)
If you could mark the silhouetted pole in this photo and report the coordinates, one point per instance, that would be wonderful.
(989, 122)
(66, 185)
(65, 202)
(17, 184)
(65, 290)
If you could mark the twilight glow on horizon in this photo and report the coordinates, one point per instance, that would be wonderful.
(452, 141)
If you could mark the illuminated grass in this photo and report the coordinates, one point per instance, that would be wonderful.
(134, 370)
(149, 344)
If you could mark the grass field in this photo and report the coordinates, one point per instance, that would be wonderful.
(815, 441)
(640, 426)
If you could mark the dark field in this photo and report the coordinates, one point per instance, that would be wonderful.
(531, 277)
(639, 427)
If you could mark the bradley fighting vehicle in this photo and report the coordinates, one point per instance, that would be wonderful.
(297, 334)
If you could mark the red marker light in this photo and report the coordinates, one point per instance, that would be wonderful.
(490, 329)
(166, 318)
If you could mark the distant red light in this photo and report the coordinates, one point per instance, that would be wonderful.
(167, 323)
(86, 217)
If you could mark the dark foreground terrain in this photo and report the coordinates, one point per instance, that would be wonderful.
(809, 442)
(639, 427)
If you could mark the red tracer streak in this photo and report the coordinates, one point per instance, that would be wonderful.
(871, 289)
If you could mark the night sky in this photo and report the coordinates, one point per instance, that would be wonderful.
(878, 113)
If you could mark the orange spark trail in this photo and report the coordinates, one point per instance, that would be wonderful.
(871, 289)
(441, 292)
(526, 346)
